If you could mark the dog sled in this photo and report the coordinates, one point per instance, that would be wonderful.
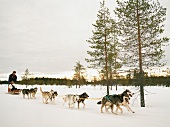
(13, 91)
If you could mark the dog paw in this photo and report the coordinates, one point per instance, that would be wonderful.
(114, 113)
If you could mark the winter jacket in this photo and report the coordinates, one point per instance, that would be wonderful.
(12, 78)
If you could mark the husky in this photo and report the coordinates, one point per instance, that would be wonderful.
(46, 95)
(71, 99)
(25, 92)
(29, 92)
(53, 96)
(125, 103)
(118, 100)
(33, 92)
(82, 98)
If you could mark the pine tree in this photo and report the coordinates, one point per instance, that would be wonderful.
(104, 44)
(141, 23)
(99, 42)
(115, 54)
(26, 77)
(79, 71)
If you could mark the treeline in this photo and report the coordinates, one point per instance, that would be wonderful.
(49, 81)
(148, 81)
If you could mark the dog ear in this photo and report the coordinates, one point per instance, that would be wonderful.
(127, 90)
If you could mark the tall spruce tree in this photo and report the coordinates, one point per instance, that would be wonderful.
(103, 44)
(141, 23)
(115, 55)
(99, 41)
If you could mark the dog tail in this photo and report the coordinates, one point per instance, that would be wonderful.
(100, 102)
(41, 90)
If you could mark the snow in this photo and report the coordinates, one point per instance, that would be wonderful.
(15, 111)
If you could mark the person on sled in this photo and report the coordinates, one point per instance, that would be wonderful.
(12, 79)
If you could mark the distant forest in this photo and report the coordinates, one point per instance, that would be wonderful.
(148, 81)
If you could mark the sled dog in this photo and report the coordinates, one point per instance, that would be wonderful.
(46, 95)
(33, 92)
(53, 96)
(71, 99)
(29, 92)
(118, 100)
(82, 98)
(25, 92)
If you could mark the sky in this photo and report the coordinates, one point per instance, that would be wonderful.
(48, 37)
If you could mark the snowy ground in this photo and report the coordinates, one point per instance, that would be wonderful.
(18, 112)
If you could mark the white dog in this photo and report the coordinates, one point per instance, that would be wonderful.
(71, 99)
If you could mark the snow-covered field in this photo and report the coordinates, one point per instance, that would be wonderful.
(15, 111)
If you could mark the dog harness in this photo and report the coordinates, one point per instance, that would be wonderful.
(107, 97)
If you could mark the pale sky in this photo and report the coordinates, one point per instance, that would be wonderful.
(49, 36)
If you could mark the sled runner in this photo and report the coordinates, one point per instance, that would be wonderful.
(14, 91)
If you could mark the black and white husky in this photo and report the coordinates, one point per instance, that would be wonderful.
(53, 96)
(118, 100)
(71, 99)
(82, 98)
(29, 92)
